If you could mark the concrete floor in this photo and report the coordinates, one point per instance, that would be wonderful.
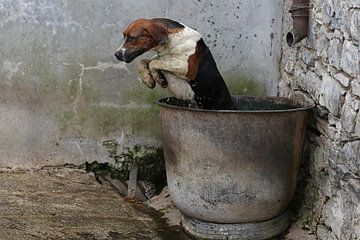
(61, 203)
(66, 203)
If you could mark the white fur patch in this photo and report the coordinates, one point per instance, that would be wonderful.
(179, 87)
(182, 44)
(180, 47)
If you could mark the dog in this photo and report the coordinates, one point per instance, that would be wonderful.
(183, 64)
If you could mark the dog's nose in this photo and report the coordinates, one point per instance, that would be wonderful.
(119, 56)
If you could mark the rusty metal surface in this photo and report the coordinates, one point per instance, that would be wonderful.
(300, 14)
(233, 166)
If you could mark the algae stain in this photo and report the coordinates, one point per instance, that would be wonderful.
(40, 66)
(143, 95)
(150, 160)
(64, 119)
(134, 109)
(242, 84)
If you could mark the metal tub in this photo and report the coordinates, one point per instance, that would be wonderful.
(233, 166)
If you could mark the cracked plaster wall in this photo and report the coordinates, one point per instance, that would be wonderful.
(62, 94)
(325, 69)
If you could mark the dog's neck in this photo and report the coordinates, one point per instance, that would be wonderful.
(180, 43)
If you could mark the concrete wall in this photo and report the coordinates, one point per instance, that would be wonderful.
(324, 69)
(62, 94)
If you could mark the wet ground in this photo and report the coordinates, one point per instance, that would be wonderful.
(66, 203)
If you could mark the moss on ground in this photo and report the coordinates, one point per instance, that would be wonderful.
(150, 160)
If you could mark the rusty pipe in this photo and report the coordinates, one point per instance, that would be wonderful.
(300, 14)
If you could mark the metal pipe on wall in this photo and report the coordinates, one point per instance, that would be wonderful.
(300, 14)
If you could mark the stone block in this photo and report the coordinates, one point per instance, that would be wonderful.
(322, 46)
(342, 216)
(289, 66)
(320, 163)
(335, 50)
(328, 11)
(350, 59)
(322, 232)
(357, 125)
(324, 128)
(351, 155)
(338, 34)
(328, 33)
(348, 115)
(355, 87)
(338, 19)
(342, 78)
(355, 24)
(353, 101)
(334, 214)
(309, 57)
(353, 188)
(353, 3)
(332, 236)
(309, 82)
(331, 94)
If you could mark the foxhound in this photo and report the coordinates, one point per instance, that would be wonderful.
(183, 63)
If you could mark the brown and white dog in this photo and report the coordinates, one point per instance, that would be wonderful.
(183, 63)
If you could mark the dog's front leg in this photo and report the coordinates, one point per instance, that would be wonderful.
(174, 66)
(175, 71)
(144, 73)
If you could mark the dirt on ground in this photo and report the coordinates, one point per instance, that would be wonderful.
(63, 203)
(69, 203)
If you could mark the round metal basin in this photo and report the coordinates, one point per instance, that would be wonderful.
(233, 166)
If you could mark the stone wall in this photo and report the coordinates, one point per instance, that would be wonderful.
(324, 69)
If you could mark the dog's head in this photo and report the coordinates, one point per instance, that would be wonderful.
(141, 36)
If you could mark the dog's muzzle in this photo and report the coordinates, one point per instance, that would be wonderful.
(126, 55)
(121, 55)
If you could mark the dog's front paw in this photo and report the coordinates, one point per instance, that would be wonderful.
(157, 75)
(148, 81)
(159, 78)
(144, 73)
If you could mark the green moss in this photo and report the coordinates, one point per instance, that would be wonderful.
(111, 146)
(81, 112)
(40, 66)
(151, 163)
(64, 119)
(141, 94)
(136, 109)
(241, 84)
(150, 160)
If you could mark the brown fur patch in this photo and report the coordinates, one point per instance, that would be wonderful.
(143, 29)
(173, 30)
(193, 63)
(143, 34)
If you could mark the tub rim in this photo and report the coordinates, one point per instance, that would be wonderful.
(305, 107)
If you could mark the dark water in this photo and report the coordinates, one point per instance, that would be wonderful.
(247, 103)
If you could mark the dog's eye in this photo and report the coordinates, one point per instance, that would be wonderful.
(129, 39)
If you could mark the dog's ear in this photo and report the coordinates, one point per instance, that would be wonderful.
(158, 32)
